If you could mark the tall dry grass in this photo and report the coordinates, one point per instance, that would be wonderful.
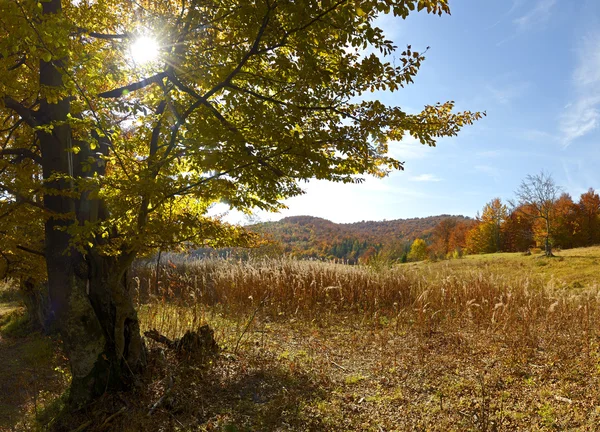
(426, 298)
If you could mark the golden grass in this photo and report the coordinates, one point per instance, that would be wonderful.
(486, 343)
(504, 295)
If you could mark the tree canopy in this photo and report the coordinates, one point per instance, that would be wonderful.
(244, 99)
(103, 158)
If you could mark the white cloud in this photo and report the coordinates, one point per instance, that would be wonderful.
(582, 116)
(426, 178)
(537, 16)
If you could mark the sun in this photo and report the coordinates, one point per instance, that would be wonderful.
(144, 50)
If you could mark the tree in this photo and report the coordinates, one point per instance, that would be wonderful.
(538, 195)
(418, 250)
(518, 229)
(458, 237)
(588, 218)
(486, 235)
(441, 236)
(566, 224)
(110, 158)
(495, 214)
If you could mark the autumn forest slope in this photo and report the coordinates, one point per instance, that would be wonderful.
(307, 236)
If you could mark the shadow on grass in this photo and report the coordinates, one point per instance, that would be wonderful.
(29, 374)
(267, 398)
(239, 395)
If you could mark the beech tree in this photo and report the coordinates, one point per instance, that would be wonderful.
(104, 156)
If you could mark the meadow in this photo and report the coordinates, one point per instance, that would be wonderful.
(483, 343)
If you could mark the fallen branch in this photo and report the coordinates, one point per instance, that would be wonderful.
(83, 426)
(563, 399)
(341, 367)
(159, 402)
(156, 336)
(111, 417)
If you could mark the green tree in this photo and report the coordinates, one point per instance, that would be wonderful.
(418, 250)
(108, 158)
(493, 218)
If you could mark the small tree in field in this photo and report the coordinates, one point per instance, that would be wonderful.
(418, 251)
(537, 196)
(104, 157)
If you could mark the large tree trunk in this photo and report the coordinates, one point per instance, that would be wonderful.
(112, 302)
(99, 327)
(37, 303)
(92, 306)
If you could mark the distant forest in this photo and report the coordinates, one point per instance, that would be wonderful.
(499, 228)
(313, 237)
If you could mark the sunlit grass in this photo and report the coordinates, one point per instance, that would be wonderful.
(496, 342)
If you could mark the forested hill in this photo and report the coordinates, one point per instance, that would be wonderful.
(307, 236)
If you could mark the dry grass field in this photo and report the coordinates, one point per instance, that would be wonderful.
(486, 343)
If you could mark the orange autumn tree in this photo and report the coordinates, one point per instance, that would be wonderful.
(567, 225)
(588, 219)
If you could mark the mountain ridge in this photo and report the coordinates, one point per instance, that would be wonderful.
(316, 237)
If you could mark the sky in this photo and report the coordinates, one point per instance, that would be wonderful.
(532, 65)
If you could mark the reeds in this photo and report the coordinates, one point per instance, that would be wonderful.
(416, 295)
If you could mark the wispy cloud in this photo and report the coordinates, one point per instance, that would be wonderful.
(409, 149)
(426, 178)
(505, 94)
(537, 16)
(582, 116)
(538, 135)
(515, 5)
(533, 19)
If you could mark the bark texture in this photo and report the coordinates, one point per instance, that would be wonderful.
(92, 306)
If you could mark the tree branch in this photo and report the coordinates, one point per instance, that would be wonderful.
(287, 104)
(253, 50)
(82, 30)
(121, 91)
(32, 251)
(22, 154)
(25, 113)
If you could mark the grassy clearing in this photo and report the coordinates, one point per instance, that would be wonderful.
(486, 343)
(499, 342)
(572, 268)
(33, 373)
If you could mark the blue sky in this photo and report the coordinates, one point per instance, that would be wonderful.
(533, 65)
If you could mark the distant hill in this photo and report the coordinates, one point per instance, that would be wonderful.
(308, 236)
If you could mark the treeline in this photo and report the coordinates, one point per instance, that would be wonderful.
(510, 227)
(359, 242)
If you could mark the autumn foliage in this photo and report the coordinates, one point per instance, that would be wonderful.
(503, 228)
